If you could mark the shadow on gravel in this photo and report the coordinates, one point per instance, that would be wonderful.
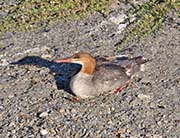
(62, 71)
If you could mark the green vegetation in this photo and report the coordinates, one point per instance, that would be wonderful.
(149, 17)
(28, 15)
(33, 14)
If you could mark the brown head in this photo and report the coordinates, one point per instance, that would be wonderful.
(87, 61)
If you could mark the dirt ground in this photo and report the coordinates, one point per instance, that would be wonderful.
(33, 103)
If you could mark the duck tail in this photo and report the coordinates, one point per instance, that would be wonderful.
(135, 65)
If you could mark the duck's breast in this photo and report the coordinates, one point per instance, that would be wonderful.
(82, 86)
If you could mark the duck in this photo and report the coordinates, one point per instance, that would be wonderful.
(101, 75)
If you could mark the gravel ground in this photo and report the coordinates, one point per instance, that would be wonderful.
(33, 104)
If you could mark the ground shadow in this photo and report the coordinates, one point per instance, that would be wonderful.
(62, 72)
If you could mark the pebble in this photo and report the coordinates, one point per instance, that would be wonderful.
(12, 124)
(44, 71)
(146, 81)
(3, 62)
(109, 110)
(157, 136)
(143, 96)
(43, 132)
(10, 96)
(112, 109)
(73, 110)
(121, 28)
(62, 110)
(152, 105)
(13, 131)
(118, 19)
(46, 56)
(1, 107)
(43, 114)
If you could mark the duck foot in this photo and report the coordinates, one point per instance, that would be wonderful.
(118, 90)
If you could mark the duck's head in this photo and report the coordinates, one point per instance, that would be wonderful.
(87, 61)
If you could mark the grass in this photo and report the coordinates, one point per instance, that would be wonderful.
(29, 15)
(33, 14)
(149, 17)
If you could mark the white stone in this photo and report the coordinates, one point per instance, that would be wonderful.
(121, 28)
(43, 114)
(118, 19)
(43, 132)
(143, 97)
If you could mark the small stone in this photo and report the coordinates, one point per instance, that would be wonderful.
(13, 131)
(43, 132)
(47, 56)
(62, 110)
(31, 122)
(157, 136)
(118, 19)
(110, 122)
(3, 62)
(121, 28)
(12, 124)
(44, 71)
(2, 86)
(109, 110)
(1, 107)
(159, 123)
(143, 97)
(73, 111)
(121, 132)
(43, 114)
(146, 81)
(10, 96)
(152, 105)
(53, 131)
(112, 109)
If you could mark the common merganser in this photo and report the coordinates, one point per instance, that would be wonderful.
(101, 75)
